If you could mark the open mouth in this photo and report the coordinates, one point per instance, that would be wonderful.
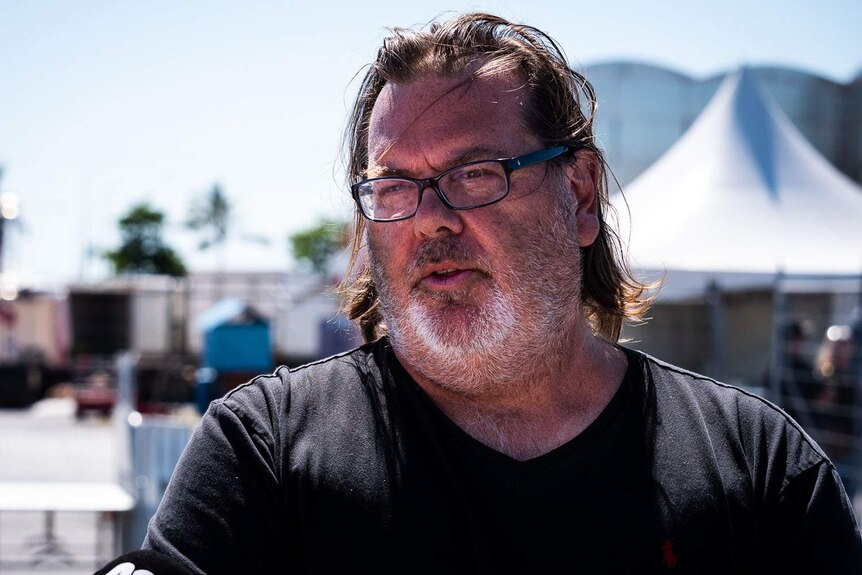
(448, 278)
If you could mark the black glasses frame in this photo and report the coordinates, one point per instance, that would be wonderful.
(509, 166)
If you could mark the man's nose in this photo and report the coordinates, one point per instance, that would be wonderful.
(433, 218)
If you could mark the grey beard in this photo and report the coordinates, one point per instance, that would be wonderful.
(511, 338)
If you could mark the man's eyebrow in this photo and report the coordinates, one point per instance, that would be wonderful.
(474, 153)
(381, 171)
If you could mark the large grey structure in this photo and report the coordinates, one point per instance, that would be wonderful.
(644, 109)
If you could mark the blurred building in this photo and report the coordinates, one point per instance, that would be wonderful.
(155, 315)
(143, 313)
(644, 109)
(302, 310)
(34, 327)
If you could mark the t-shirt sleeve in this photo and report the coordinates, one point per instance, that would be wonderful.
(820, 531)
(223, 510)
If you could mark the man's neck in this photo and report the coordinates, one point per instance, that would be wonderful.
(549, 406)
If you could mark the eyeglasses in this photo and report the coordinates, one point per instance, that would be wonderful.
(464, 187)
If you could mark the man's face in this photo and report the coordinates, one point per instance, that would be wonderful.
(466, 293)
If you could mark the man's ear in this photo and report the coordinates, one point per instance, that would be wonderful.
(582, 179)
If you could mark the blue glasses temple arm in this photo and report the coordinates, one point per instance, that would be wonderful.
(536, 157)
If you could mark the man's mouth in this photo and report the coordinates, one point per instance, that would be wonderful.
(447, 278)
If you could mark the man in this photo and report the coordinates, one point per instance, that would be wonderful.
(492, 424)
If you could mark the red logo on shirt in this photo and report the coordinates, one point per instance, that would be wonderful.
(668, 557)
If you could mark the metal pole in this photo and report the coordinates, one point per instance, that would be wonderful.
(2, 229)
(717, 327)
(126, 363)
(856, 424)
(776, 363)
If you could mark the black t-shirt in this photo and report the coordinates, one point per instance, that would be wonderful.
(581, 503)
(345, 466)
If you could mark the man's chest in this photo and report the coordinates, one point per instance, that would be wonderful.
(443, 506)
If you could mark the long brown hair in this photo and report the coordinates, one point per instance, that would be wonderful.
(561, 110)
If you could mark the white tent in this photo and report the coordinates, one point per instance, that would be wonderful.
(743, 191)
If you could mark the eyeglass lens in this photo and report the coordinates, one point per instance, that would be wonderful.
(463, 187)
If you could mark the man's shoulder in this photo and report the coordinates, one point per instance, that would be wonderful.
(670, 379)
(687, 404)
(350, 365)
(328, 380)
(736, 470)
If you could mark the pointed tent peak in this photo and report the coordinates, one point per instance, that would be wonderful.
(747, 128)
(735, 191)
(747, 115)
(742, 143)
(745, 94)
(755, 120)
(750, 99)
(742, 73)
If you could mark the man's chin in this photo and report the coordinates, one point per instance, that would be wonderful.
(460, 328)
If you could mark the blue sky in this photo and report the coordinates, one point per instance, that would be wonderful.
(104, 104)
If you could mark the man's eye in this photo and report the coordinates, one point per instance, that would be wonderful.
(478, 175)
(391, 188)
(474, 173)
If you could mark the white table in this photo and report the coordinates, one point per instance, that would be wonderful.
(108, 499)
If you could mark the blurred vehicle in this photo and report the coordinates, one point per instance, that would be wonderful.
(95, 396)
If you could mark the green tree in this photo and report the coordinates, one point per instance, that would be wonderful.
(210, 215)
(314, 246)
(142, 249)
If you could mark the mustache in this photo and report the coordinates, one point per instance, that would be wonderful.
(434, 251)
(450, 250)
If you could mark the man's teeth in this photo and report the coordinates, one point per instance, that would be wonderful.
(444, 272)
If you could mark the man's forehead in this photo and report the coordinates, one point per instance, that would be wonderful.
(432, 107)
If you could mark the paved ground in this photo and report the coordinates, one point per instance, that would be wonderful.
(46, 443)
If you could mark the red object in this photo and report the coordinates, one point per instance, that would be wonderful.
(7, 314)
(96, 399)
(669, 558)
